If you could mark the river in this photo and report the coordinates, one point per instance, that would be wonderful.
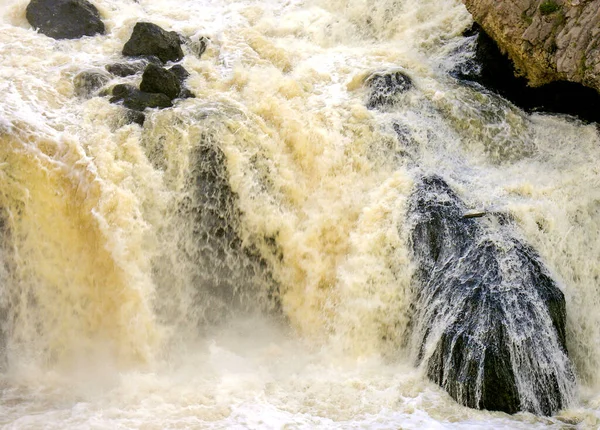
(106, 319)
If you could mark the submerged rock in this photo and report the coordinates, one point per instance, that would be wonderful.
(135, 99)
(134, 117)
(64, 19)
(229, 276)
(385, 87)
(150, 39)
(157, 79)
(88, 82)
(489, 319)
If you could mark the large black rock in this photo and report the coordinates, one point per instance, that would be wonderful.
(150, 39)
(64, 19)
(132, 98)
(157, 79)
(489, 319)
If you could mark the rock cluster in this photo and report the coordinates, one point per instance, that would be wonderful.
(159, 86)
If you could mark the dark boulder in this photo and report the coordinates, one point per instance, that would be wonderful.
(150, 39)
(133, 67)
(86, 83)
(385, 88)
(157, 79)
(489, 320)
(64, 19)
(493, 70)
(132, 98)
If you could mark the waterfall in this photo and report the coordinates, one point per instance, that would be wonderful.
(246, 258)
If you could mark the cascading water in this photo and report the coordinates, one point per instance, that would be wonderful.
(244, 259)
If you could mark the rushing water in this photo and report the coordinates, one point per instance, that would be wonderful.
(106, 321)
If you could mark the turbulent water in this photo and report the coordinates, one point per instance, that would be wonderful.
(108, 311)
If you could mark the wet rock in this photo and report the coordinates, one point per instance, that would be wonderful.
(150, 39)
(385, 87)
(64, 19)
(157, 79)
(489, 320)
(132, 98)
(133, 67)
(493, 70)
(88, 82)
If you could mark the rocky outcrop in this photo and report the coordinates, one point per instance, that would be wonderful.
(495, 71)
(64, 19)
(86, 83)
(548, 40)
(150, 39)
(489, 321)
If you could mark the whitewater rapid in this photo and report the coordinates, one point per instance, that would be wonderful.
(103, 323)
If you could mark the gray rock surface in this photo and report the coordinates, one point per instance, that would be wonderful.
(548, 40)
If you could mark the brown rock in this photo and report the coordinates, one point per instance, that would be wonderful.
(548, 40)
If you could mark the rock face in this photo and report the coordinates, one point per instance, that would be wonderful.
(64, 19)
(494, 70)
(385, 87)
(489, 321)
(150, 39)
(548, 40)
